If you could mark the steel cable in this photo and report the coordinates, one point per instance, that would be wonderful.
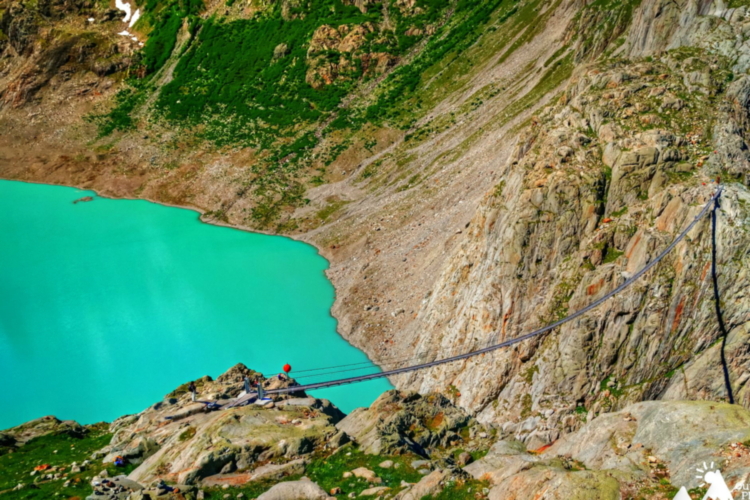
(510, 342)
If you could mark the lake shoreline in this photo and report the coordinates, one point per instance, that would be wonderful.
(303, 299)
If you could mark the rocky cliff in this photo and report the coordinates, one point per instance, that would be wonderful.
(406, 446)
(472, 170)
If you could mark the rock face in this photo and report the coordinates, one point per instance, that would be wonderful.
(588, 197)
(680, 434)
(399, 422)
(47, 57)
(623, 454)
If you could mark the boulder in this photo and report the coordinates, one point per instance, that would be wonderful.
(373, 492)
(503, 460)
(295, 490)
(464, 459)
(7, 439)
(638, 445)
(134, 451)
(431, 484)
(264, 472)
(280, 51)
(367, 475)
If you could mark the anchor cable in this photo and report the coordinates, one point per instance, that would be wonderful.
(717, 302)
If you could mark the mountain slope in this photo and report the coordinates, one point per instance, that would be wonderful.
(472, 170)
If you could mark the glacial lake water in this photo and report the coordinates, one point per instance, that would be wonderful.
(106, 306)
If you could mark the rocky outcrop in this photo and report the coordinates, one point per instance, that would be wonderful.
(36, 55)
(626, 453)
(679, 434)
(181, 441)
(20, 435)
(343, 53)
(401, 422)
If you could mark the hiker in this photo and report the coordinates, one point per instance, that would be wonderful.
(193, 390)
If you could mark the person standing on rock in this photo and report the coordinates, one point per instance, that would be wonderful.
(193, 390)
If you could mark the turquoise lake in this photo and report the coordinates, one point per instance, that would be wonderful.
(106, 306)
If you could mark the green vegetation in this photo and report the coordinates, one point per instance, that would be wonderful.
(498, 192)
(120, 117)
(561, 299)
(527, 24)
(475, 454)
(159, 47)
(55, 450)
(610, 18)
(328, 471)
(451, 40)
(526, 404)
(620, 212)
(460, 490)
(258, 83)
(559, 72)
(229, 85)
(332, 207)
(615, 390)
(611, 255)
(529, 374)
(187, 434)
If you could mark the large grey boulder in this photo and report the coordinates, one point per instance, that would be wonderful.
(431, 484)
(295, 490)
(266, 472)
(504, 459)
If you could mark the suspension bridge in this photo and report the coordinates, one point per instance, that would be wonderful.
(711, 205)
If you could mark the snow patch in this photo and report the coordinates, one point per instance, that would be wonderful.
(125, 7)
(136, 16)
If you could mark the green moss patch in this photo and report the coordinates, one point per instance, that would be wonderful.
(55, 451)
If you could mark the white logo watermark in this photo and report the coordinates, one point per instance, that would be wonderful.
(717, 487)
